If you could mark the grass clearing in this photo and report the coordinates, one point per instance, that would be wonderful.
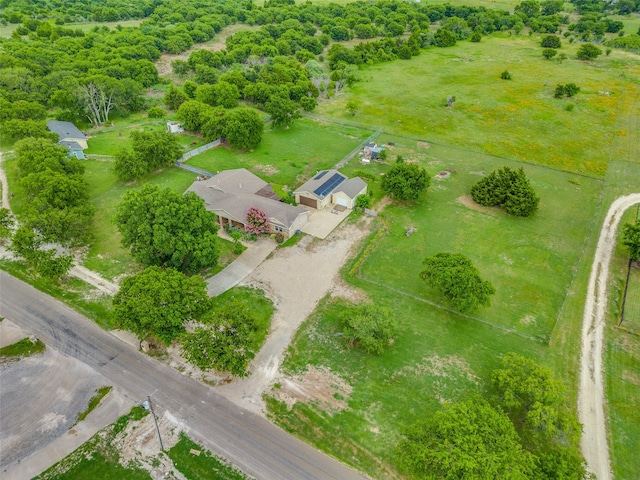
(93, 403)
(288, 157)
(21, 349)
(517, 119)
(530, 261)
(203, 466)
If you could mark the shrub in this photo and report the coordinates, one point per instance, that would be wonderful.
(588, 51)
(550, 41)
(369, 327)
(476, 37)
(549, 53)
(279, 238)
(509, 189)
(568, 90)
(156, 112)
(362, 202)
(505, 75)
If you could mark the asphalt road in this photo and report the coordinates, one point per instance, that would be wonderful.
(247, 440)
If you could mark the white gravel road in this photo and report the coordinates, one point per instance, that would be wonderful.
(591, 399)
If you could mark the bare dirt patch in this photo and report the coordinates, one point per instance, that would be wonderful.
(319, 386)
(267, 169)
(528, 320)
(139, 441)
(296, 278)
(437, 366)
(342, 289)
(468, 202)
(424, 144)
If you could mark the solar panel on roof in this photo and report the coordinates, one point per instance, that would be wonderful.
(321, 174)
(329, 185)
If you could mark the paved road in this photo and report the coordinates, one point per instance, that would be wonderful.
(247, 440)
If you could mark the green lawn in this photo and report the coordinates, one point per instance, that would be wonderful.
(288, 157)
(106, 254)
(515, 119)
(631, 319)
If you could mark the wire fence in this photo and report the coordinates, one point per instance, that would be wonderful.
(630, 308)
(199, 150)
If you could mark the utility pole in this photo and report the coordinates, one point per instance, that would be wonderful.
(155, 422)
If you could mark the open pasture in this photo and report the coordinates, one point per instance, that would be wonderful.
(288, 157)
(516, 118)
(530, 261)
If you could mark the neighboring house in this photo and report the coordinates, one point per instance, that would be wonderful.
(231, 193)
(70, 137)
(174, 127)
(330, 187)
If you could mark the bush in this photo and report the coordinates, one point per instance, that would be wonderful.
(405, 181)
(505, 75)
(549, 53)
(156, 112)
(509, 189)
(568, 90)
(476, 37)
(369, 327)
(550, 41)
(588, 51)
(362, 202)
(279, 238)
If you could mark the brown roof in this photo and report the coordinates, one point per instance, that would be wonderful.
(235, 191)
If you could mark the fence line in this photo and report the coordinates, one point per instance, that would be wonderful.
(199, 150)
(350, 155)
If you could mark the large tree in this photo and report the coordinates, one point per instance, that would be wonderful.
(282, 109)
(405, 181)
(229, 339)
(151, 150)
(458, 280)
(469, 439)
(158, 301)
(165, 228)
(509, 189)
(535, 402)
(631, 239)
(240, 127)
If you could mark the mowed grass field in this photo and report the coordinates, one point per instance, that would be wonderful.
(288, 157)
(516, 118)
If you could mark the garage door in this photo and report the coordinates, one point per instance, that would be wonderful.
(342, 201)
(309, 202)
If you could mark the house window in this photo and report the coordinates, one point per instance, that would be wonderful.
(277, 229)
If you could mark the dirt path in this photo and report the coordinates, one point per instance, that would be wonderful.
(591, 398)
(5, 185)
(94, 279)
(295, 278)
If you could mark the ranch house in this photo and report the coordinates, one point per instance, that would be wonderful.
(231, 193)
